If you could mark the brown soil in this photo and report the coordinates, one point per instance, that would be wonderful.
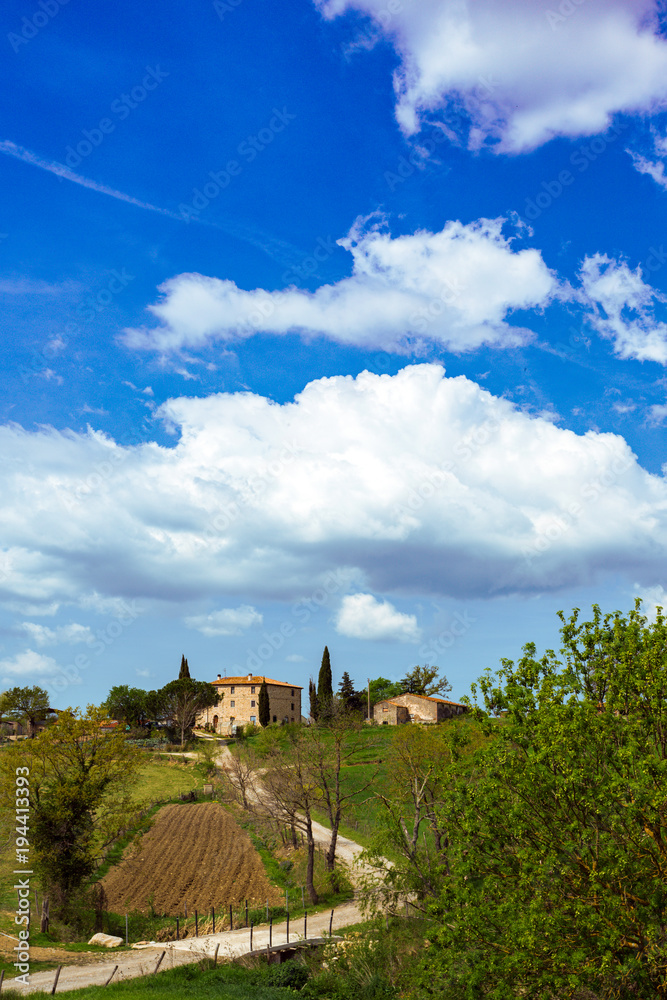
(194, 854)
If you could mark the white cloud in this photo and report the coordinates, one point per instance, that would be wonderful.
(455, 287)
(295, 658)
(45, 636)
(657, 414)
(655, 167)
(28, 665)
(519, 73)
(652, 598)
(410, 484)
(361, 616)
(227, 621)
(622, 307)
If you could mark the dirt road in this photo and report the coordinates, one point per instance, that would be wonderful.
(233, 944)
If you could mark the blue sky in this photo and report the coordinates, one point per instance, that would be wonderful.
(333, 321)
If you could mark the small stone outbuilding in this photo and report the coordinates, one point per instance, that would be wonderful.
(416, 708)
(388, 713)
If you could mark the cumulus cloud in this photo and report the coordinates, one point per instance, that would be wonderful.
(393, 485)
(361, 616)
(227, 621)
(622, 309)
(28, 665)
(515, 74)
(455, 287)
(44, 636)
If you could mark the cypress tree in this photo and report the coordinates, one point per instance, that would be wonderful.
(312, 694)
(263, 705)
(325, 686)
(185, 670)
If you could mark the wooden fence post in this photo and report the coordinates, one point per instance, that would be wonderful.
(177, 930)
(213, 915)
(231, 924)
(215, 957)
(111, 976)
(288, 926)
(251, 935)
(159, 962)
(55, 983)
(305, 925)
(331, 922)
(271, 932)
(196, 924)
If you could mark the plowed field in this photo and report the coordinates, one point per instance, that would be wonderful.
(194, 854)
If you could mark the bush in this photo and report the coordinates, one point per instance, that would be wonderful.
(290, 975)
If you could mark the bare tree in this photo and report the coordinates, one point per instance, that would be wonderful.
(331, 747)
(290, 794)
(239, 767)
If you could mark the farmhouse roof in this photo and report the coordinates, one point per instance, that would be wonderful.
(250, 679)
(443, 701)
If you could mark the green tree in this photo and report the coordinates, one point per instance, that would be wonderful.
(25, 704)
(381, 689)
(350, 699)
(312, 698)
(324, 686)
(264, 708)
(155, 706)
(558, 856)
(426, 681)
(184, 672)
(182, 700)
(127, 704)
(79, 790)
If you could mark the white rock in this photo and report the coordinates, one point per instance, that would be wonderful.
(106, 939)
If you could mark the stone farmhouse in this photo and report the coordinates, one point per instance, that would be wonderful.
(415, 708)
(238, 703)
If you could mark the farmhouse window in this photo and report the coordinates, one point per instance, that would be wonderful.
(292, 706)
(252, 703)
(292, 692)
(232, 691)
(252, 689)
(253, 719)
(275, 718)
(232, 704)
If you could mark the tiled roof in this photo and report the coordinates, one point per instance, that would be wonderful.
(254, 680)
(422, 697)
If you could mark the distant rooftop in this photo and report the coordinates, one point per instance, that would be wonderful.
(252, 679)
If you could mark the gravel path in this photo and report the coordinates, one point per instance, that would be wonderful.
(233, 944)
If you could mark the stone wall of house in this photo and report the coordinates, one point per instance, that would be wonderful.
(390, 714)
(238, 703)
(429, 709)
(415, 707)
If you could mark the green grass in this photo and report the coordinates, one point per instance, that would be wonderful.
(165, 778)
(232, 982)
(366, 970)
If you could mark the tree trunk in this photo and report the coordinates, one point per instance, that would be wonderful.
(330, 856)
(310, 868)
